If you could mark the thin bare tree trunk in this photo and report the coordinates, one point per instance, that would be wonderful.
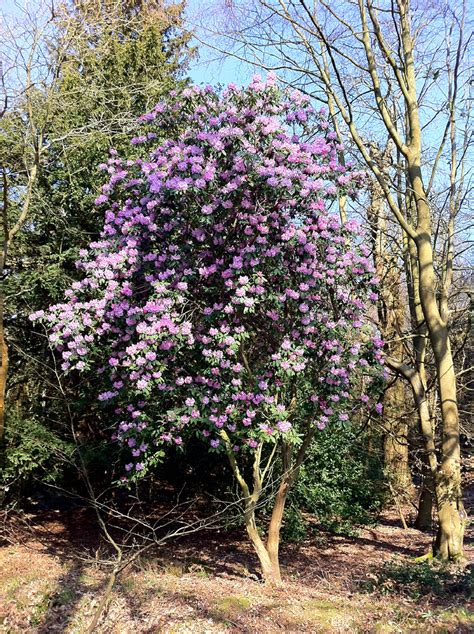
(452, 518)
(270, 572)
(449, 542)
(3, 371)
(274, 528)
(424, 518)
(268, 554)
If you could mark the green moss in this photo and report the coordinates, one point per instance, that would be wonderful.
(232, 606)
(317, 604)
(327, 615)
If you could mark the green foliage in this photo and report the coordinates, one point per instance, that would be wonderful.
(32, 451)
(108, 64)
(98, 458)
(104, 64)
(340, 482)
(422, 578)
(295, 528)
(340, 486)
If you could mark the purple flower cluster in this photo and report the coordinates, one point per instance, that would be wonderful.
(224, 297)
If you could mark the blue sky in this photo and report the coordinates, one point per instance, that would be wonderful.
(210, 68)
(213, 67)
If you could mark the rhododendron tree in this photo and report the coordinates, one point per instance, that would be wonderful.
(224, 298)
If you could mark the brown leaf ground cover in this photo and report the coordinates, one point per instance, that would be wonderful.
(50, 581)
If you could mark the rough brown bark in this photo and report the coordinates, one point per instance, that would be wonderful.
(396, 437)
(424, 518)
(391, 316)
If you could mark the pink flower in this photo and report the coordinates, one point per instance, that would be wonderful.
(101, 199)
(220, 274)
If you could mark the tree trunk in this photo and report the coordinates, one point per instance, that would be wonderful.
(452, 519)
(424, 520)
(429, 466)
(273, 538)
(396, 437)
(391, 316)
(270, 572)
(451, 515)
(291, 469)
(3, 372)
(426, 428)
(268, 554)
(270, 569)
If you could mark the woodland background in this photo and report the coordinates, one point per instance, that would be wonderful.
(396, 78)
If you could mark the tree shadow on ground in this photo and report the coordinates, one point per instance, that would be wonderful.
(70, 535)
(73, 537)
(63, 603)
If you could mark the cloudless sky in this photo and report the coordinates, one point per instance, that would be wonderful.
(213, 67)
(13, 7)
(210, 68)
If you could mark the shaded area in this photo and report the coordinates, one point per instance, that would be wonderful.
(209, 582)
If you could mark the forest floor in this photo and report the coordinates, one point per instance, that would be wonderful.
(50, 582)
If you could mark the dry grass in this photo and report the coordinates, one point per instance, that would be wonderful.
(207, 584)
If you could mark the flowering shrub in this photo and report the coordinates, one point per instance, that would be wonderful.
(224, 298)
